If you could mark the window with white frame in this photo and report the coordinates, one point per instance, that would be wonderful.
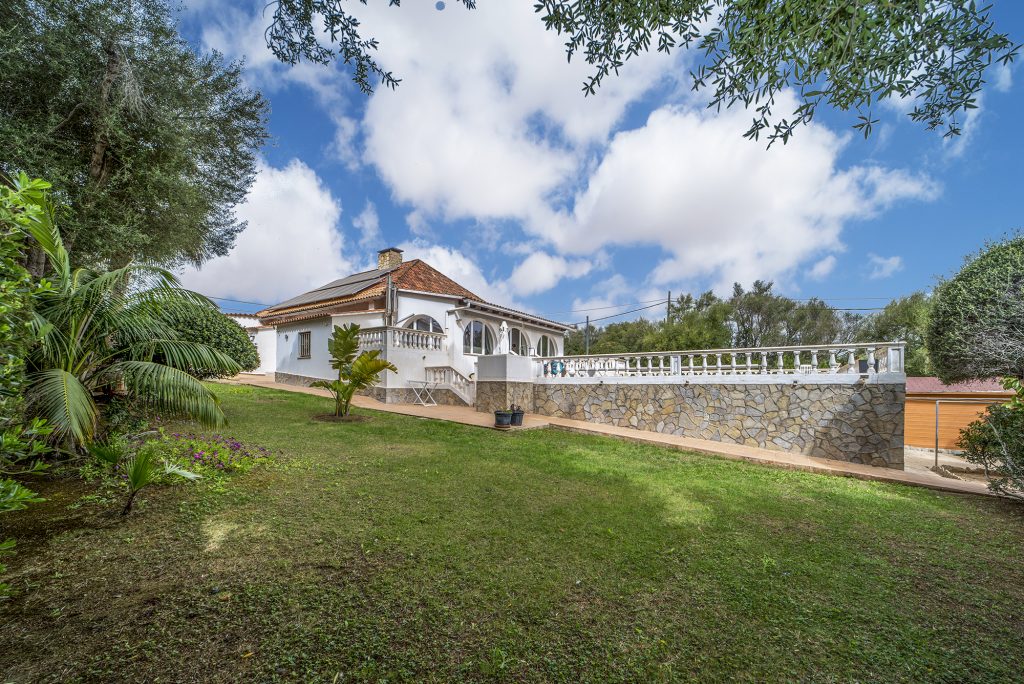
(425, 323)
(546, 346)
(477, 338)
(518, 342)
(304, 344)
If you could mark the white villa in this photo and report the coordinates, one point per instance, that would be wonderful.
(430, 327)
(841, 401)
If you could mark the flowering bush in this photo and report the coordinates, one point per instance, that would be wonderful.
(208, 454)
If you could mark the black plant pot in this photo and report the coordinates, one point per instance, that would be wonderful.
(517, 418)
(863, 365)
(503, 420)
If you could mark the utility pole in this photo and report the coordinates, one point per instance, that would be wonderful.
(668, 308)
(586, 336)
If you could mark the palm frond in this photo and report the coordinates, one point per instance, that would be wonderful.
(366, 369)
(60, 398)
(343, 346)
(171, 390)
(186, 356)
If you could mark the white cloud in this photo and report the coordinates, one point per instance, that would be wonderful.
(291, 245)
(541, 271)
(489, 124)
(955, 146)
(368, 225)
(460, 268)
(722, 208)
(489, 120)
(883, 267)
(1003, 80)
(345, 146)
(418, 225)
(822, 268)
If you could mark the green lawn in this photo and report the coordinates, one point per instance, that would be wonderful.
(404, 549)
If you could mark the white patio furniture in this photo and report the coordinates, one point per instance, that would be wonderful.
(423, 390)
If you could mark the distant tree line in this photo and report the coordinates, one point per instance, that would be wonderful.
(759, 317)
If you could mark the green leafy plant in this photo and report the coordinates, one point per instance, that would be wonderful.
(152, 142)
(976, 330)
(203, 325)
(210, 454)
(109, 454)
(105, 333)
(144, 469)
(996, 441)
(356, 371)
(13, 497)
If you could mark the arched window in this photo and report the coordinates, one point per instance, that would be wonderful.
(518, 342)
(477, 338)
(546, 346)
(426, 323)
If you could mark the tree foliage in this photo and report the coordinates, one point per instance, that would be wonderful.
(150, 144)
(207, 326)
(105, 332)
(996, 441)
(749, 318)
(22, 445)
(356, 371)
(977, 323)
(906, 319)
(843, 54)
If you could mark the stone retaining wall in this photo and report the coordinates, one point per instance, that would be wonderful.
(858, 422)
(492, 395)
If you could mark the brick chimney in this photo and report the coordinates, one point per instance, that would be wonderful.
(388, 258)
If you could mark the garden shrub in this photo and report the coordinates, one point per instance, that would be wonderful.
(22, 445)
(996, 441)
(208, 326)
(976, 329)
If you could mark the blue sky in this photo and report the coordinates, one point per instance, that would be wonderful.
(490, 164)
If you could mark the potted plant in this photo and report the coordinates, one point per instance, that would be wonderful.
(517, 415)
(503, 419)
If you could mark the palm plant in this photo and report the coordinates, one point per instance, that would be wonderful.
(356, 371)
(101, 332)
(142, 470)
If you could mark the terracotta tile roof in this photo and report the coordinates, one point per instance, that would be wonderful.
(917, 385)
(419, 275)
(410, 275)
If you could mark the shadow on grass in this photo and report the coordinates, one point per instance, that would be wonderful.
(408, 549)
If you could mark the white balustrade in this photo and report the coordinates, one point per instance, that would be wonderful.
(446, 375)
(849, 359)
(401, 338)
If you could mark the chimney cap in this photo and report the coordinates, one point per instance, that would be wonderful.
(389, 249)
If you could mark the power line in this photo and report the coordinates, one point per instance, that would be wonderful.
(236, 301)
(623, 313)
(599, 308)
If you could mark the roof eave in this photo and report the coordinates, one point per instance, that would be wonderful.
(494, 309)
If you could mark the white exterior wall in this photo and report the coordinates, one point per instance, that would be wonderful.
(442, 309)
(411, 363)
(318, 365)
(265, 339)
(266, 344)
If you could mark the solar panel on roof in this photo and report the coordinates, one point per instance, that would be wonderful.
(343, 287)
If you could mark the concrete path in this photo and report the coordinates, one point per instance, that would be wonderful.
(740, 452)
